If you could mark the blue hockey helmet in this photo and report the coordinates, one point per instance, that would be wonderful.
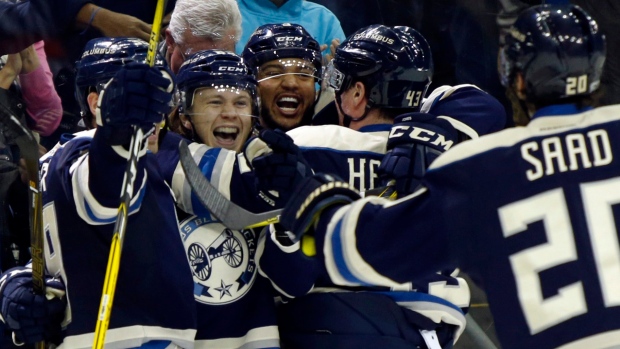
(276, 41)
(215, 69)
(559, 49)
(394, 63)
(101, 59)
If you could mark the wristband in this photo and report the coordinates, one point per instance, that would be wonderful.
(90, 21)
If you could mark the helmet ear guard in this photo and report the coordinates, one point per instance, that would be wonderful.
(559, 49)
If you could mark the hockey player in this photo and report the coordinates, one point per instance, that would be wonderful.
(215, 87)
(101, 59)
(218, 99)
(218, 102)
(287, 63)
(529, 212)
(378, 72)
(81, 180)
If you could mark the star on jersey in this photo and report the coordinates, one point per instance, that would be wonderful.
(224, 290)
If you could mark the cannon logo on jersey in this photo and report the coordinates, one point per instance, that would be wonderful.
(421, 135)
(221, 260)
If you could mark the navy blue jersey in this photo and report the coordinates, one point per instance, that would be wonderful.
(226, 170)
(81, 183)
(235, 305)
(529, 212)
(355, 156)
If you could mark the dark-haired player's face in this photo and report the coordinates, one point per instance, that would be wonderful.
(287, 91)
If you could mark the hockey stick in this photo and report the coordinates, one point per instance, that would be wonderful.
(29, 151)
(114, 258)
(231, 215)
(477, 334)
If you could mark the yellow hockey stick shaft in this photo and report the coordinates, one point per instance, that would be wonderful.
(114, 258)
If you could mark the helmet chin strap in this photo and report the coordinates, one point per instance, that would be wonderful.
(346, 120)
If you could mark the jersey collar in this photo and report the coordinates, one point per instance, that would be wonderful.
(559, 110)
(376, 128)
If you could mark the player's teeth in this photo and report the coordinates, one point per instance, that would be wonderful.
(289, 99)
(224, 129)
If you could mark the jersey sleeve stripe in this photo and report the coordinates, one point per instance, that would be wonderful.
(345, 265)
(87, 206)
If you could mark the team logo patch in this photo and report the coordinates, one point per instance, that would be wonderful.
(221, 260)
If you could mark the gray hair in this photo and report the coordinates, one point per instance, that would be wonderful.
(205, 19)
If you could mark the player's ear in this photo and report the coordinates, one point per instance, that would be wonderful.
(185, 121)
(359, 93)
(92, 99)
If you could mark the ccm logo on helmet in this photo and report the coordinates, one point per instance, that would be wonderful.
(289, 38)
(234, 69)
(421, 134)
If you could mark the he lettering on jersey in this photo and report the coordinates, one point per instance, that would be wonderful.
(566, 153)
(363, 173)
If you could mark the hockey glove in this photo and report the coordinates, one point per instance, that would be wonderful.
(278, 164)
(136, 95)
(415, 141)
(30, 316)
(312, 196)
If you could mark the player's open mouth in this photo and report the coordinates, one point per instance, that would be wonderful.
(226, 134)
(288, 105)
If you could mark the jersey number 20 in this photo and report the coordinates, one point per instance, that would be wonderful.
(550, 207)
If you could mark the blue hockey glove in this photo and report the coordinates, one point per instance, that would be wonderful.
(278, 163)
(31, 317)
(136, 95)
(312, 196)
(415, 141)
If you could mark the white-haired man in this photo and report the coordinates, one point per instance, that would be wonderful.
(198, 25)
